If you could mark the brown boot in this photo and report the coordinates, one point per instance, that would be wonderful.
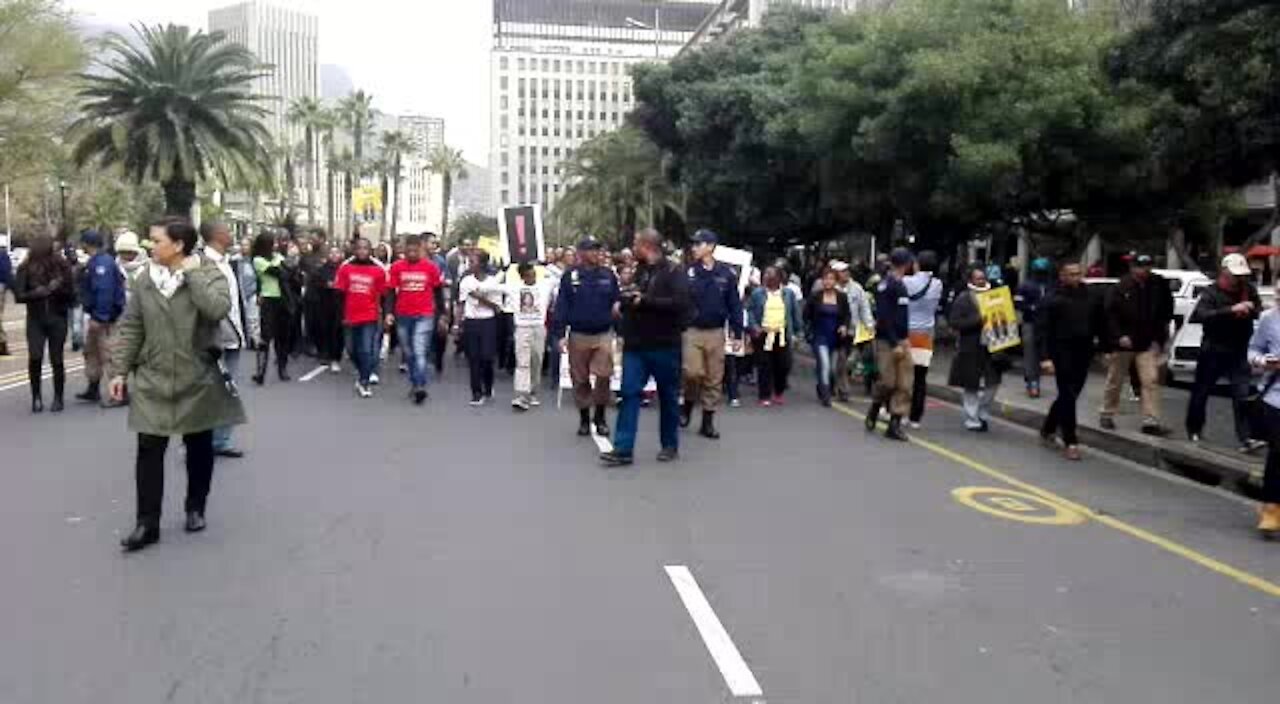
(1269, 521)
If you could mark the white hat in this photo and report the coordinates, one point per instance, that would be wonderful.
(1236, 264)
(127, 241)
(837, 265)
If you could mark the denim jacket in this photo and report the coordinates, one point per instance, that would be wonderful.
(755, 311)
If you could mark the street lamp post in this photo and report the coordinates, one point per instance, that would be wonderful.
(62, 190)
(656, 27)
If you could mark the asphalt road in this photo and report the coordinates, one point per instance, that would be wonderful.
(370, 551)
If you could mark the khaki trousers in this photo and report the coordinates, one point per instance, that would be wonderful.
(530, 343)
(897, 373)
(703, 366)
(1148, 363)
(591, 355)
(97, 350)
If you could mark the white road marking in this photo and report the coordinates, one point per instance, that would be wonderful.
(602, 441)
(314, 373)
(47, 375)
(732, 667)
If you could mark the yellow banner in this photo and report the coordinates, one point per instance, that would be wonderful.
(366, 199)
(999, 319)
(492, 246)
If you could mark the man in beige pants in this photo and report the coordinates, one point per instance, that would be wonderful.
(713, 289)
(1138, 313)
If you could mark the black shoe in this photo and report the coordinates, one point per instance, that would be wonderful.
(57, 405)
(91, 394)
(195, 522)
(1155, 430)
(229, 453)
(602, 428)
(686, 414)
(842, 397)
(615, 459)
(708, 429)
(141, 537)
(284, 375)
(1107, 423)
(668, 454)
(37, 405)
(894, 431)
(873, 414)
(584, 428)
(419, 396)
(259, 379)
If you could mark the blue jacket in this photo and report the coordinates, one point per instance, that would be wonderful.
(755, 311)
(6, 269)
(715, 297)
(892, 310)
(102, 288)
(586, 299)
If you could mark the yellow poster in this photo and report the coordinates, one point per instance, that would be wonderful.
(366, 199)
(492, 246)
(999, 320)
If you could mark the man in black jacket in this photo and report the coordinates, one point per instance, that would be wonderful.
(1138, 311)
(1227, 310)
(1068, 324)
(654, 310)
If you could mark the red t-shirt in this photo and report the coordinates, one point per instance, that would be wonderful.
(363, 285)
(415, 284)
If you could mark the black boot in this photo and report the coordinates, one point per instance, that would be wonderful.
(143, 535)
(894, 431)
(686, 414)
(195, 522)
(283, 370)
(824, 395)
(260, 377)
(602, 426)
(59, 386)
(584, 422)
(708, 429)
(873, 414)
(92, 393)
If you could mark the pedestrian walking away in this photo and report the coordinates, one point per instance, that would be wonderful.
(363, 282)
(1070, 322)
(1138, 313)
(893, 347)
(1264, 355)
(416, 292)
(232, 339)
(275, 319)
(717, 305)
(585, 307)
(102, 297)
(774, 325)
(924, 293)
(481, 298)
(532, 303)
(974, 368)
(827, 318)
(1026, 301)
(653, 311)
(169, 346)
(45, 285)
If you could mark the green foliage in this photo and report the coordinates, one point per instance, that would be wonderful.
(175, 108)
(449, 164)
(472, 226)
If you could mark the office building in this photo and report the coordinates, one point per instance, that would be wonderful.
(559, 76)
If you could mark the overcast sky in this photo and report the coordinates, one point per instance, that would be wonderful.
(414, 56)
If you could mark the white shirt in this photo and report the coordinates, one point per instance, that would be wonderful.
(489, 289)
(531, 302)
(236, 340)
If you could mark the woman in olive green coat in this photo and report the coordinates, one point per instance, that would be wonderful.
(168, 353)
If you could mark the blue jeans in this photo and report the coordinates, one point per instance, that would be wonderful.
(822, 351)
(222, 436)
(415, 335)
(362, 341)
(637, 367)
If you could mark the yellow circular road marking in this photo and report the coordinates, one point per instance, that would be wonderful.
(1017, 506)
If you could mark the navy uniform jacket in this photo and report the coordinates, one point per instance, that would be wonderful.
(892, 322)
(715, 297)
(586, 299)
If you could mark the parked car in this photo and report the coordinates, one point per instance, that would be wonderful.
(1186, 286)
(1186, 344)
(17, 255)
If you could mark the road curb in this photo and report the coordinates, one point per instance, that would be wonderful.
(1201, 465)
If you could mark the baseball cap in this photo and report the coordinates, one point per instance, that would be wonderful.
(706, 237)
(128, 242)
(901, 257)
(1236, 264)
(590, 243)
(837, 265)
(1143, 260)
(91, 238)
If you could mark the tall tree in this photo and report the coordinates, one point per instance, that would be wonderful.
(174, 107)
(356, 114)
(326, 127)
(380, 168)
(312, 116)
(472, 226)
(395, 145)
(449, 164)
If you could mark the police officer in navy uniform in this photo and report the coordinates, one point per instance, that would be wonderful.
(713, 287)
(585, 305)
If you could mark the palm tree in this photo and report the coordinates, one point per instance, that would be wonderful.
(356, 113)
(450, 165)
(176, 108)
(395, 145)
(344, 163)
(326, 127)
(311, 114)
(381, 168)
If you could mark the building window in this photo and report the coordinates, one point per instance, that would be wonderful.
(506, 158)
(503, 122)
(556, 65)
(520, 64)
(502, 82)
(504, 178)
(502, 63)
(506, 197)
(546, 65)
(504, 102)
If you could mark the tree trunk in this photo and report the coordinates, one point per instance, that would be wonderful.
(329, 194)
(395, 211)
(1264, 232)
(179, 196)
(311, 177)
(351, 211)
(382, 222)
(444, 211)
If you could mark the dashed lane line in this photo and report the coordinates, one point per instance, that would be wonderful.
(738, 677)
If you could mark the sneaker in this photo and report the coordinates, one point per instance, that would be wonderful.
(1155, 430)
(364, 391)
(1252, 446)
(519, 404)
(533, 401)
(616, 459)
(1194, 438)
(477, 400)
(334, 367)
(1107, 423)
(1072, 453)
(913, 425)
(373, 380)
(735, 403)
(668, 454)
(419, 396)
(765, 403)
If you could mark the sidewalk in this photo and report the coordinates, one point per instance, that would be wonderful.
(1215, 461)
